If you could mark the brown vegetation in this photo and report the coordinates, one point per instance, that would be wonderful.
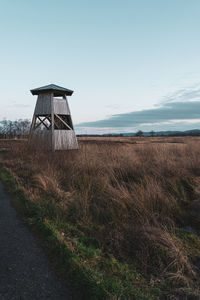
(131, 197)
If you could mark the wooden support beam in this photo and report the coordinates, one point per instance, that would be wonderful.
(49, 119)
(43, 122)
(36, 126)
(52, 124)
(63, 121)
(32, 128)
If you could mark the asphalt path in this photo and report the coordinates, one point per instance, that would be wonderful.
(25, 273)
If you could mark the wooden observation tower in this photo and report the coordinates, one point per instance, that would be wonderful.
(52, 125)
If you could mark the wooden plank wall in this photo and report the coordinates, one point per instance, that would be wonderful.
(61, 107)
(53, 139)
(65, 140)
(42, 139)
(43, 105)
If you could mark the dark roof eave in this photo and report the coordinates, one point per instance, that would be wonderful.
(56, 92)
(52, 88)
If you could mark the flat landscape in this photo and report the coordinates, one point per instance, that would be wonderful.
(120, 216)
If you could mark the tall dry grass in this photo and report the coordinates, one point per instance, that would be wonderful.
(131, 196)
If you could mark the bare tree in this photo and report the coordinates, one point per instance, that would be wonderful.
(139, 133)
(152, 133)
(14, 129)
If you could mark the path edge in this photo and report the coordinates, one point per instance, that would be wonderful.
(81, 280)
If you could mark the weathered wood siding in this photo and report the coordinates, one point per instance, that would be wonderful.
(65, 140)
(43, 105)
(52, 139)
(61, 107)
(42, 139)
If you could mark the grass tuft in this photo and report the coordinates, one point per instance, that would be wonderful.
(113, 213)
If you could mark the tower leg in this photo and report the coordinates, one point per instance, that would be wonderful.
(32, 127)
(52, 124)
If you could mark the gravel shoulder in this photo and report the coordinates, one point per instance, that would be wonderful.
(24, 269)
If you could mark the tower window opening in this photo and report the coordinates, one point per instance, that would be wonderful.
(62, 122)
(43, 122)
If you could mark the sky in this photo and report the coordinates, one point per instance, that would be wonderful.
(133, 65)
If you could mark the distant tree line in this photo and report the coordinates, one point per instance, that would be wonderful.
(14, 129)
(101, 135)
(20, 129)
(140, 133)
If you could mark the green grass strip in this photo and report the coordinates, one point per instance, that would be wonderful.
(65, 260)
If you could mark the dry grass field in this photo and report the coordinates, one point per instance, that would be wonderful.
(127, 209)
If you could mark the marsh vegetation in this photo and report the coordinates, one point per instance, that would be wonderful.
(127, 209)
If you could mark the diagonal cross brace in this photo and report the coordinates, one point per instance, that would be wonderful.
(42, 122)
(63, 121)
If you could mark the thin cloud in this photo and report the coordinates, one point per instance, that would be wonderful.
(181, 105)
(182, 95)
